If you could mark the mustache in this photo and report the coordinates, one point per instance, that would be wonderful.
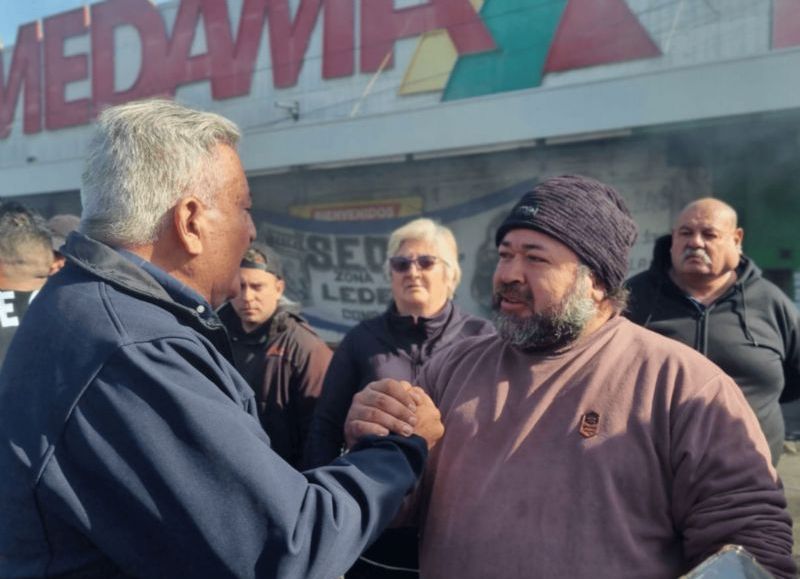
(514, 292)
(697, 252)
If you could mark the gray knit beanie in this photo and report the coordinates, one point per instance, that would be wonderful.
(587, 216)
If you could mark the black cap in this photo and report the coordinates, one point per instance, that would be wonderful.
(263, 257)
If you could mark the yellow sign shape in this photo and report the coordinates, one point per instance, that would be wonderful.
(433, 61)
(371, 210)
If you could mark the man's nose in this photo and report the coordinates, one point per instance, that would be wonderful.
(251, 228)
(245, 294)
(696, 240)
(510, 271)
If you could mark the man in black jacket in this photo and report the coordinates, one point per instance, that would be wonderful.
(25, 263)
(276, 351)
(703, 291)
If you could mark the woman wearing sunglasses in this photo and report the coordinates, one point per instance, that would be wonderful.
(421, 320)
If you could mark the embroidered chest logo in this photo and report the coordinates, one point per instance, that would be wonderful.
(590, 424)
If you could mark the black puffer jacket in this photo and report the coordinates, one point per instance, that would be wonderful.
(752, 332)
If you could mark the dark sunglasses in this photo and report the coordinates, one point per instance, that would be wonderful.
(402, 264)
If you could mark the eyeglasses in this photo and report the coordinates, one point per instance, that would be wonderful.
(402, 264)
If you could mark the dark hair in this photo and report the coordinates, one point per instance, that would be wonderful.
(22, 233)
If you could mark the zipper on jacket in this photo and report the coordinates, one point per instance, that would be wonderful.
(700, 340)
(415, 353)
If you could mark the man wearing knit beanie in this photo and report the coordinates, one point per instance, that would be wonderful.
(591, 221)
(587, 216)
(576, 443)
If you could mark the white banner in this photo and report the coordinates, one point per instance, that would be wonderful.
(335, 268)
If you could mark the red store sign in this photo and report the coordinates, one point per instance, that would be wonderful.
(40, 67)
(40, 71)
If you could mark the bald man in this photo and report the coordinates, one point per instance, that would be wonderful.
(703, 291)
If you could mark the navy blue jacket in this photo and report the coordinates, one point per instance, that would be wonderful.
(130, 445)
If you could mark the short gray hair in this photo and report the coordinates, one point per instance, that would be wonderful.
(428, 231)
(145, 157)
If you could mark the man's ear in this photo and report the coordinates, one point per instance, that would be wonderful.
(738, 237)
(187, 219)
(280, 285)
(598, 292)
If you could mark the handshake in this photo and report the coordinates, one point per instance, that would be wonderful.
(393, 406)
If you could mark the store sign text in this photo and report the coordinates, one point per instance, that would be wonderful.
(40, 70)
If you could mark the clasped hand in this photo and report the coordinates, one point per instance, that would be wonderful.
(393, 406)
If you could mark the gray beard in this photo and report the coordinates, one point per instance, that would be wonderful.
(556, 327)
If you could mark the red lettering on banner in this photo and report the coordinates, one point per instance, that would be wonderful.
(167, 63)
(288, 40)
(594, 32)
(26, 71)
(146, 19)
(382, 25)
(230, 72)
(60, 70)
(230, 65)
(338, 53)
(785, 24)
(182, 67)
(233, 64)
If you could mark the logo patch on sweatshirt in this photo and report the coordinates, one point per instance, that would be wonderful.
(590, 424)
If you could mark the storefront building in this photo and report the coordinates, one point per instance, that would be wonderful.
(360, 114)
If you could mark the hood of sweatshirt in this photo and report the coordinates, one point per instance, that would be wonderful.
(747, 273)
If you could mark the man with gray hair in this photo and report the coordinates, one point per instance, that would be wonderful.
(130, 444)
(25, 263)
(577, 443)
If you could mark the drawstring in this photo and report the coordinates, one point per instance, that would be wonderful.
(747, 333)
